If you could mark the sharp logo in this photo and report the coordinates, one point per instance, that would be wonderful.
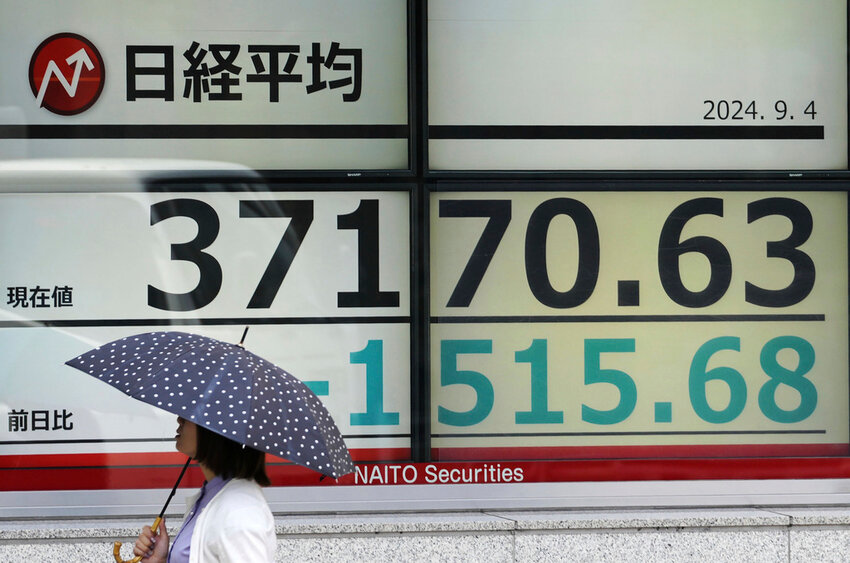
(66, 74)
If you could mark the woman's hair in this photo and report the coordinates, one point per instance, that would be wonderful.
(229, 459)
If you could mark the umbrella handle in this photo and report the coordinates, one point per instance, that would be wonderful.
(116, 548)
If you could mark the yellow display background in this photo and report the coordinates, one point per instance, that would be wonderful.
(629, 226)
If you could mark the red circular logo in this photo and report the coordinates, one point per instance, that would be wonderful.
(66, 74)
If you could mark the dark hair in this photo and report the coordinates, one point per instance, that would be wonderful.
(229, 459)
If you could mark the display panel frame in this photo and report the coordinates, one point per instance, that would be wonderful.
(643, 482)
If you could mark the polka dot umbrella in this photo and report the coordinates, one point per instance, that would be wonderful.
(226, 389)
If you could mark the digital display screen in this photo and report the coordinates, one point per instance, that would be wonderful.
(637, 85)
(320, 277)
(271, 85)
(638, 324)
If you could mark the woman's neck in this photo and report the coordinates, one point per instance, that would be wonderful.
(208, 473)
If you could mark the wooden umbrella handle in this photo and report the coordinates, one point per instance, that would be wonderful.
(116, 548)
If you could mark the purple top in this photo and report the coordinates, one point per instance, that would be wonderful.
(183, 541)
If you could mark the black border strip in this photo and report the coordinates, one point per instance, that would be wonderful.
(657, 132)
(624, 181)
(626, 318)
(208, 131)
(85, 441)
(171, 439)
(213, 321)
(420, 353)
(657, 433)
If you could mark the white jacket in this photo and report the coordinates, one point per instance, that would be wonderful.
(236, 526)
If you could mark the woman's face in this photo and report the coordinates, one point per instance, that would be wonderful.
(187, 437)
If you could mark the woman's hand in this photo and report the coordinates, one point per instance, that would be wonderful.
(152, 548)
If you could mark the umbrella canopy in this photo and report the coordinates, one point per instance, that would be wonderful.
(226, 389)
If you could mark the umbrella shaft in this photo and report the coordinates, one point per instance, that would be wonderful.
(174, 489)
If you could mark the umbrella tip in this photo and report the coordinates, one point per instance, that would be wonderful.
(243, 336)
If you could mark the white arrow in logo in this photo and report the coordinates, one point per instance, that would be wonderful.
(80, 59)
